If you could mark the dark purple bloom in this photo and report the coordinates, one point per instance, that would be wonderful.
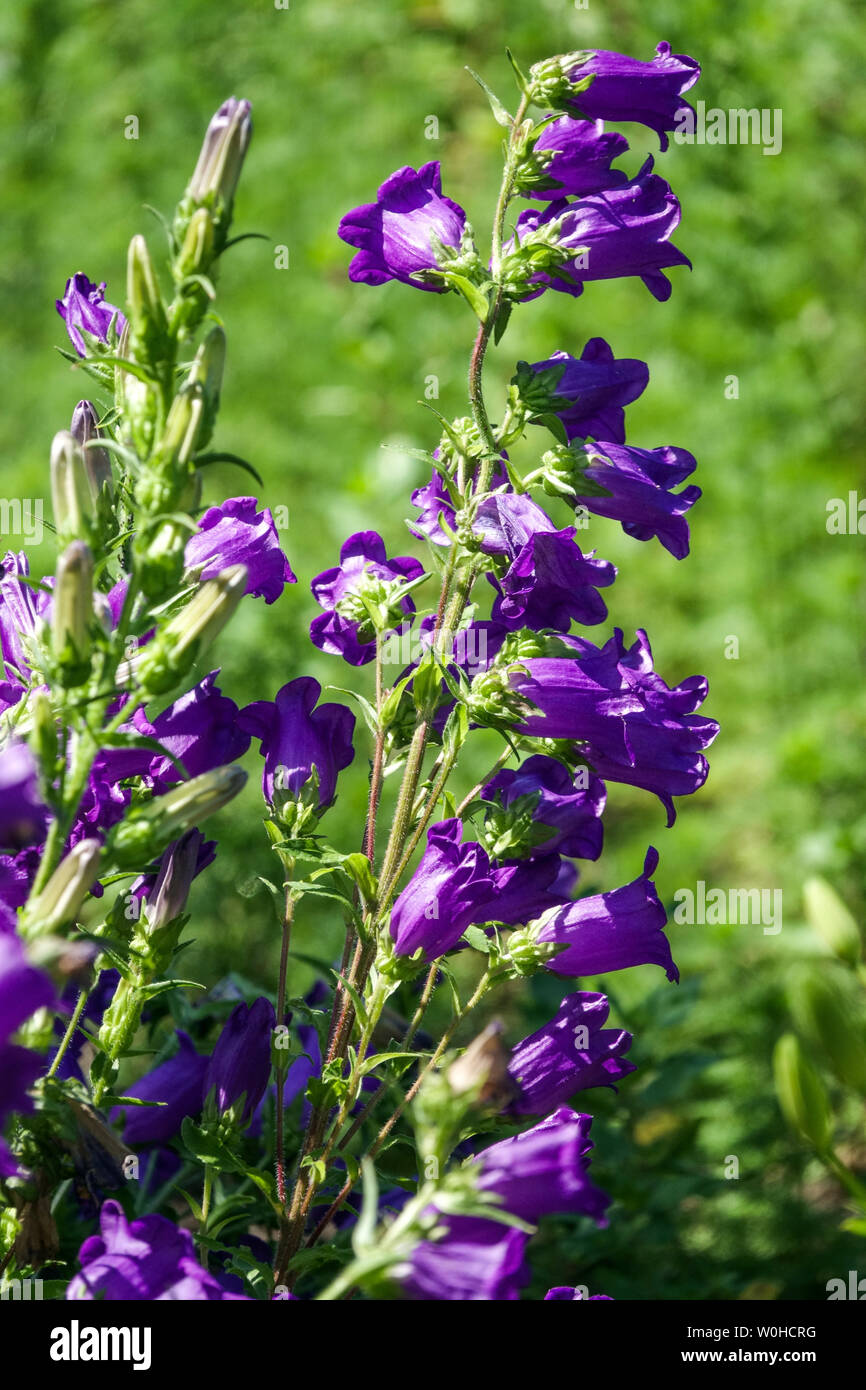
(296, 737)
(550, 582)
(148, 1260)
(241, 1061)
(625, 231)
(167, 891)
(84, 309)
(234, 533)
(176, 1082)
(21, 608)
(507, 521)
(581, 164)
(611, 931)
(435, 503)
(564, 1293)
(544, 1170)
(23, 814)
(639, 483)
(572, 1052)
(101, 807)
(571, 811)
(596, 386)
(394, 234)
(585, 698)
(346, 628)
(19, 1068)
(521, 891)
(471, 1259)
(625, 89)
(442, 897)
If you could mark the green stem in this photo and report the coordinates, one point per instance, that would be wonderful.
(80, 1003)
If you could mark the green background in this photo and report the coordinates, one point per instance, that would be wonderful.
(322, 373)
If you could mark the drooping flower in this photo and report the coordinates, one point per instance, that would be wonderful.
(582, 699)
(626, 89)
(569, 810)
(394, 236)
(364, 577)
(596, 387)
(443, 895)
(146, 1260)
(521, 891)
(297, 737)
(234, 533)
(639, 483)
(582, 158)
(84, 309)
(177, 1083)
(551, 582)
(470, 1259)
(21, 609)
(611, 931)
(240, 1064)
(23, 814)
(573, 1052)
(544, 1170)
(625, 231)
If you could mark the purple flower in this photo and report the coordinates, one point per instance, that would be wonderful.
(394, 234)
(435, 503)
(570, 811)
(148, 1260)
(84, 309)
(638, 481)
(550, 582)
(581, 164)
(166, 892)
(296, 737)
(585, 698)
(572, 1052)
(521, 891)
(625, 231)
(471, 1259)
(21, 608)
(364, 576)
(19, 1068)
(564, 1293)
(626, 89)
(611, 931)
(176, 1082)
(23, 814)
(236, 534)
(544, 1170)
(596, 386)
(442, 897)
(507, 521)
(665, 739)
(240, 1065)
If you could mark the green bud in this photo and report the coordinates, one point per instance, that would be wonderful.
(215, 179)
(830, 918)
(550, 81)
(149, 828)
(85, 429)
(72, 614)
(801, 1092)
(43, 737)
(173, 652)
(71, 494)
(60, 900)
(148, 323)
(196, 253)
(827, 1009)
(526, 954)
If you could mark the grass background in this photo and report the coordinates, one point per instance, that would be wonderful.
(322, 373)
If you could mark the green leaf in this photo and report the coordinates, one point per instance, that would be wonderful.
(499, 112)
(474, 297)
(221, 456)
(364, 1234)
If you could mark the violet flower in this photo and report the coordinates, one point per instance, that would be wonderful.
(639, 482)
(444, 894)
(626, 89)
(521, 891)
(394, 235)
(596, 387)
(544, 1170)
(573, 1052)
(23, 814)
(582, 158)
(471, 1259)
(571, 812)
(234, 533)
(177, 1083)
(550, 583)
(296, 737)
(364, 576)
(84, 309)
(240, 1064)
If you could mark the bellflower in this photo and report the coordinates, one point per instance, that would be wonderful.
(166, 892)
(364, 576)
(23, 814)
(584, 698)
(21, 609)
(234, 533)
(626, 89)
(297, 737)
(544, 1170)
(178, 1083)
(394, 235)
(611, 931)
(240, 1065)
(583, 151)
(84, 309)
(594, 388)
(571, 812)
(638, 482)
(146, 1260)
(470, 1259)
(19, 1069)
(564, 1293)
(572, 1052)
(521, 891)
(625, 231)
(550, 583)
(443, 895)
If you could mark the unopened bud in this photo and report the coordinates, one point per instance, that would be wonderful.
(830, 918)
(72, 613)
(85, 429)
(197, 251)
(60, 900)
(71, 495)
(483, 1070)
(149, 828)
(801, 1092)
(177, 647)
(147, 316)
(222, 154)
(168, 897)
(828, 1010)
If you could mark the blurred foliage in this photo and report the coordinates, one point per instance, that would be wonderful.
(321, 374)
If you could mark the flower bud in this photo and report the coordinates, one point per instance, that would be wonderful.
(550, 83)
(483, 1070)
(240, 1064)
(197, 251)
(830, 918)
(72, 614)
(149, 828)
(71, 495)
(828, 1011)
(168, 897)
(801, 1092)
(218, 170)
(61, 898)
(148, 324)
(168, 658)
(85, 429)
